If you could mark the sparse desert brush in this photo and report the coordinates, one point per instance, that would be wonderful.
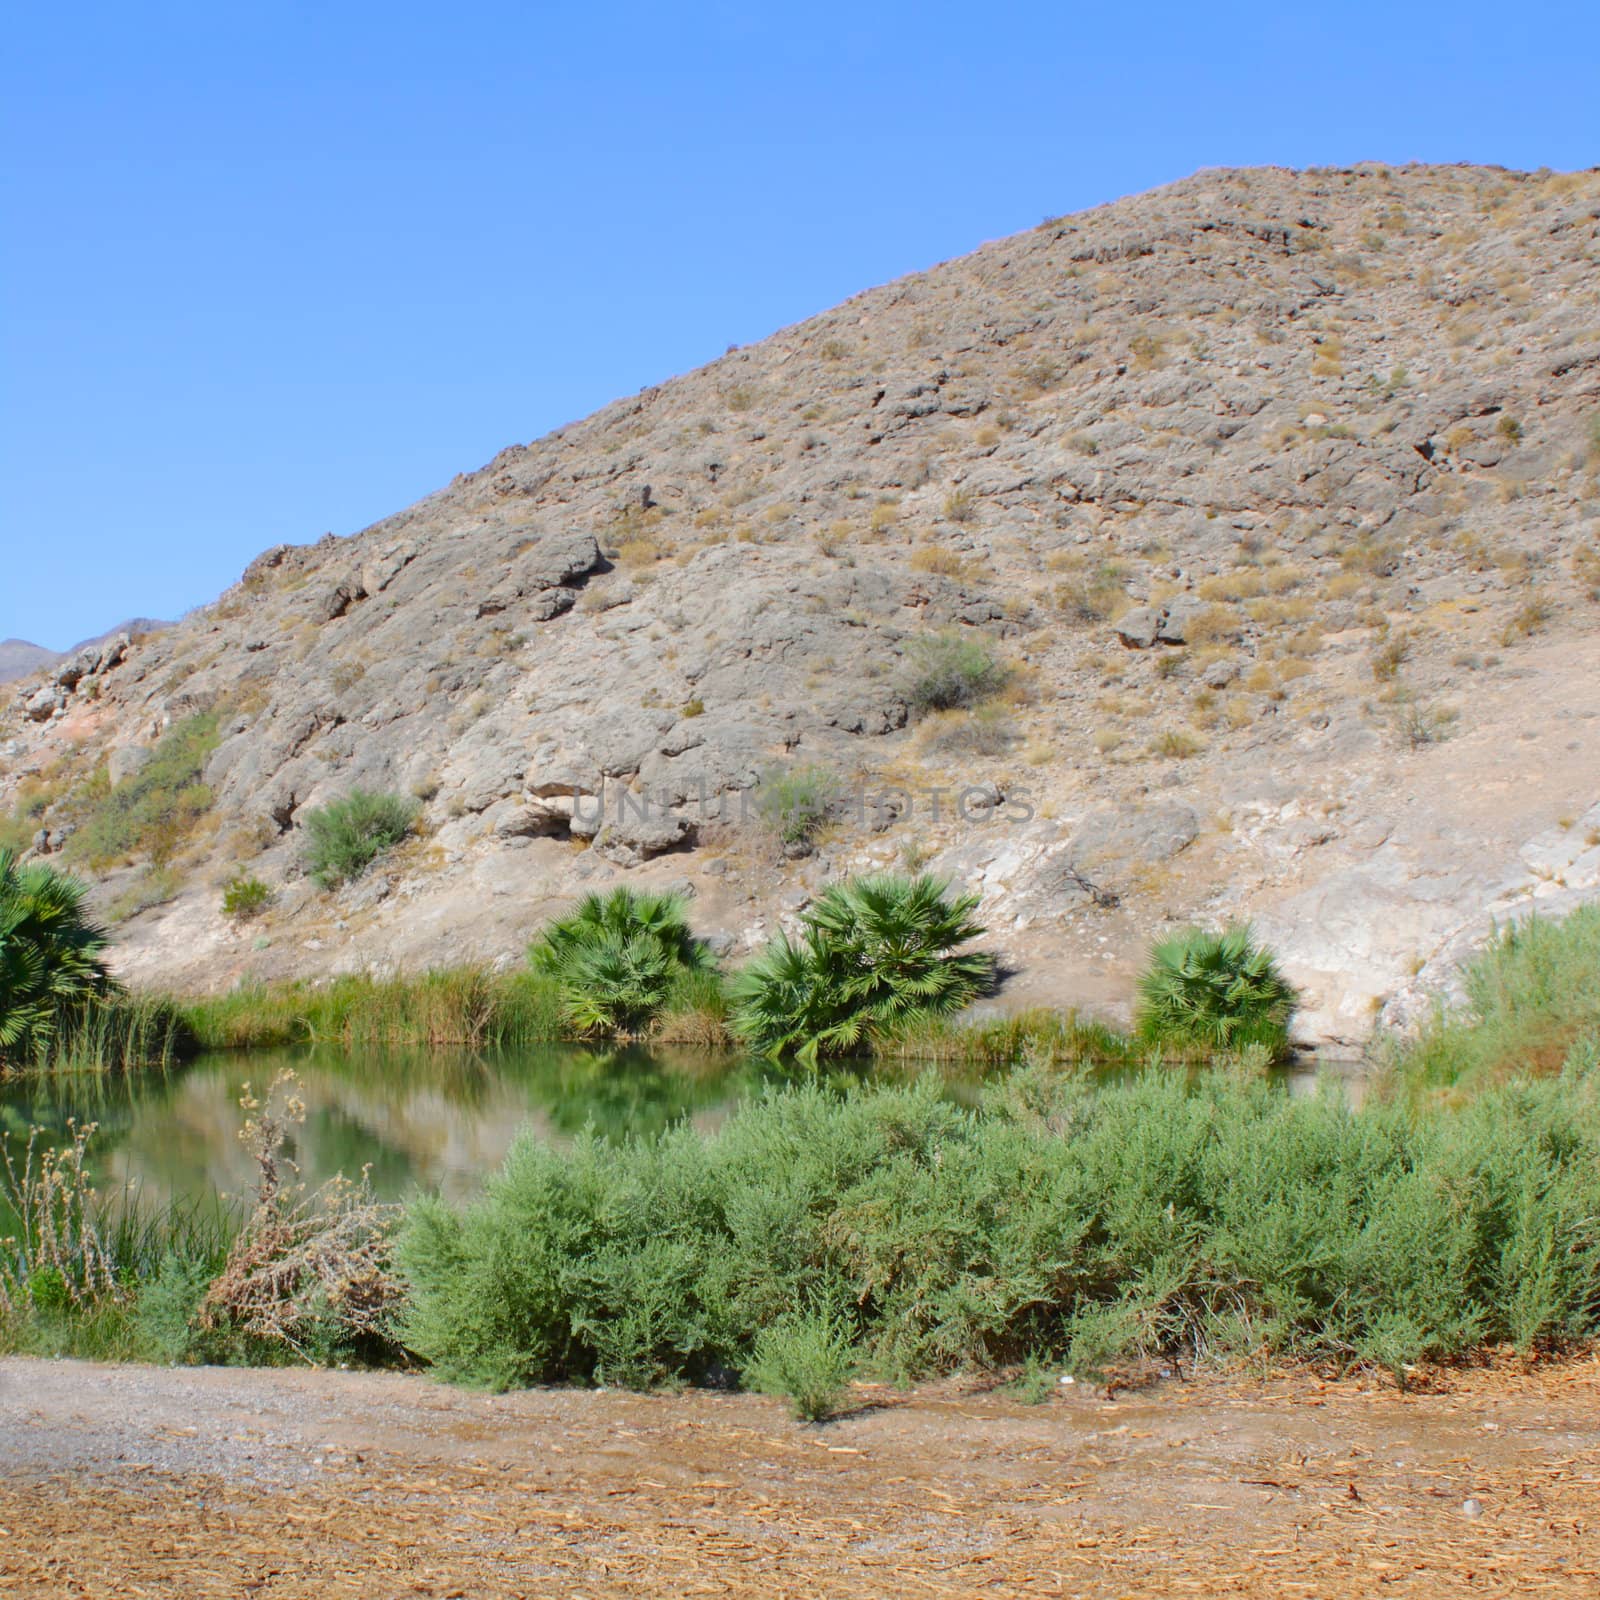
(960, 505)
(1421, 722)
(1094, 596)
(940, 563)
(950, 670)
(245, 897)
(1531, 617)
(793, 802)
(1586, 569)
(345, 836)
(1244, 583)
(1176, 744)
(639, 553)
(1388, 657)
(157, 810)
(986, 730)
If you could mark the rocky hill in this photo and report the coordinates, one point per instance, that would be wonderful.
(21, 659)
(1277, 495)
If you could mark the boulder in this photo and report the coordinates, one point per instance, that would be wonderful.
(628, 840)
(1138, 629)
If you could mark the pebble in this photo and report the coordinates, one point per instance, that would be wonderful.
(1472, 1508)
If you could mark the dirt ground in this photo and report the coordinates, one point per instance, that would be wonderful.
(136, 1481)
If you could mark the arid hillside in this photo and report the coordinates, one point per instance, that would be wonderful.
(1273, 499)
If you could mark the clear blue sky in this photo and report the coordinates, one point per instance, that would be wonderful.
(274, 269)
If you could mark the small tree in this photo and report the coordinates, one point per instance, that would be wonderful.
(874, 954)
(620, 958)
(50, 955)
(1215, 991)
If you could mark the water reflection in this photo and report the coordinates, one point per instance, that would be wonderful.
(415, 1119)
(423, 1119)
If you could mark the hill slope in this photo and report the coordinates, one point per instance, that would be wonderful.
(1278, 492)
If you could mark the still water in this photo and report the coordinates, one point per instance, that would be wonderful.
(434, 1120)
(430, 1120)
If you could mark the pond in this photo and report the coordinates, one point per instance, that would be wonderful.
(422, 1119)
(435, 1120)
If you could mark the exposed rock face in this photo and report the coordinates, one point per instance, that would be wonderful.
(1279, 489)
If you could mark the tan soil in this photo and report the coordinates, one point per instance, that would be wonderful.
(124, 1481)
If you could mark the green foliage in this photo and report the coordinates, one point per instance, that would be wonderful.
(468, 1006)
(620, 959)
(949, 671)
(245, 896)
(50, 956)
(1532, 1003)
(154, 812)
(808, 1359)
(114, 1031)
(1191, 1221)
(1036, 1036)
(347, 835)
(875, 954)
(794, 801)
(1214, 992)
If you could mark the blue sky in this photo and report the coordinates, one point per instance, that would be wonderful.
(268, 270)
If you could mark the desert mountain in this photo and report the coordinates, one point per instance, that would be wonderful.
(20, 659)
(1277, 492)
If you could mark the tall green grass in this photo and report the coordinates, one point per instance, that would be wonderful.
(457, 1006)
(119, 1032)
(1532, 998)
(1037, 1035)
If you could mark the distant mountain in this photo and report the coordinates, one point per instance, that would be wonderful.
(19, 658)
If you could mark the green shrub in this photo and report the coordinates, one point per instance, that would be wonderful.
(620, 959)
(949, 671)
(1532, 1003)
(50, 956)
(1213, 992)
(154, 812)
(794, 802)
(347, 835)
(1191, 1220)
(245, 896)
(875, 954)
(808, 1359)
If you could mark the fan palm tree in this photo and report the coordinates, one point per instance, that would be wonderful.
(874, 954)
(50, 953)
(1215, 991)
(618, 959)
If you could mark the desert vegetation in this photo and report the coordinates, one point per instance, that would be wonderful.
(621, 960)
(841, 1228)
(345, 836)
(874, 955)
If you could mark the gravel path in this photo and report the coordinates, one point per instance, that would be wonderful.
(124, 1481)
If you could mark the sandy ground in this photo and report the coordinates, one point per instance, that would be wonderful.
(135, 1481)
